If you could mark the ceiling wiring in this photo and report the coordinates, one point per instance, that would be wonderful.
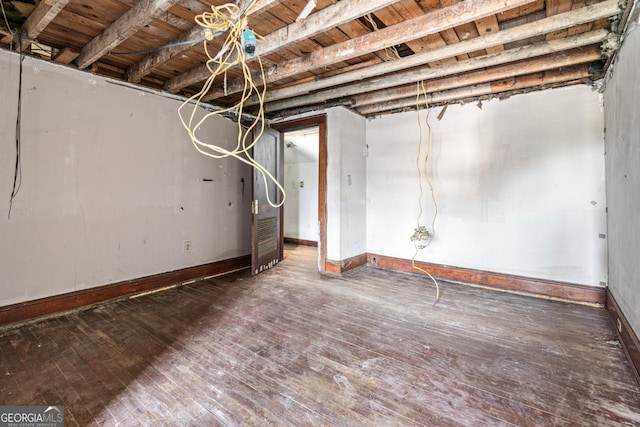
(207, 36)
(229, 19)
(166, 46)
(422, 237)
(374, 26)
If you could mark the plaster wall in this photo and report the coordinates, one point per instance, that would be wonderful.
(346, 184)
(622, 111)
(519, 185)
(111, 185)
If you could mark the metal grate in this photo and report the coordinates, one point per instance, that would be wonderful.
(267, 235)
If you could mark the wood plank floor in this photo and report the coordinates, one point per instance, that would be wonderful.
(293, 348)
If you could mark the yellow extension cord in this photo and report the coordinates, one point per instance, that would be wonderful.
(229, 19)
(374, 25)
(420, 89)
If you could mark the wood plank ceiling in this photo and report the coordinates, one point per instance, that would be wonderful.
(366, 55)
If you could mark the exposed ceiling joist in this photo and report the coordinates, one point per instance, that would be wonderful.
(364, 55)
(489, 25)
(260, 6)
(5, 36)
(140, 69)
(41, 16)
(522, 32)
(316, 23)
(429, 23)
(66, 56)
(338, 14)
(480, 63)
(555, 7)
(509, 69)
(484, 89)
(567, 59)
(129, 23)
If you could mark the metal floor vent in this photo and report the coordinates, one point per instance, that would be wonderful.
(267, 235)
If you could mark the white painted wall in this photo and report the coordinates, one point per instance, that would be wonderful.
(519, 184)
(111, 185)
(346, 184)
(622, 118)
(301, 166)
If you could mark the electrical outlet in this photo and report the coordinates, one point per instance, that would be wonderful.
(619, 325)
(187, 246)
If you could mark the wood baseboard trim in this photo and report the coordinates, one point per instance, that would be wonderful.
(626, 334)
(339, 267)
(46, 306)
(301, 242)
(540, 288)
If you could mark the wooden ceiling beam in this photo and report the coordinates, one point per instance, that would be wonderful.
(479, 63)
(6, 37)
(429, 23)
(494, 88)
(66, 56)
(525, 31)
(41, 16)
(489, 25)
(408, 10)
(140, 69)
(260, 6)
(485, 75)
(125, 26)
(555, 7)
(137, 71)
(451, 37)
(329, 17)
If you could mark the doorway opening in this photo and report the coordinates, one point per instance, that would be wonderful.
(301, 158)
(305, 179)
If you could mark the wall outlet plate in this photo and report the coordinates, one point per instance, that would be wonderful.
(187, 246)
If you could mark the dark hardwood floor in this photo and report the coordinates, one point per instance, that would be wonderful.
(292, 348)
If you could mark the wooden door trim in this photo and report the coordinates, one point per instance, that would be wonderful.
(319, 121)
